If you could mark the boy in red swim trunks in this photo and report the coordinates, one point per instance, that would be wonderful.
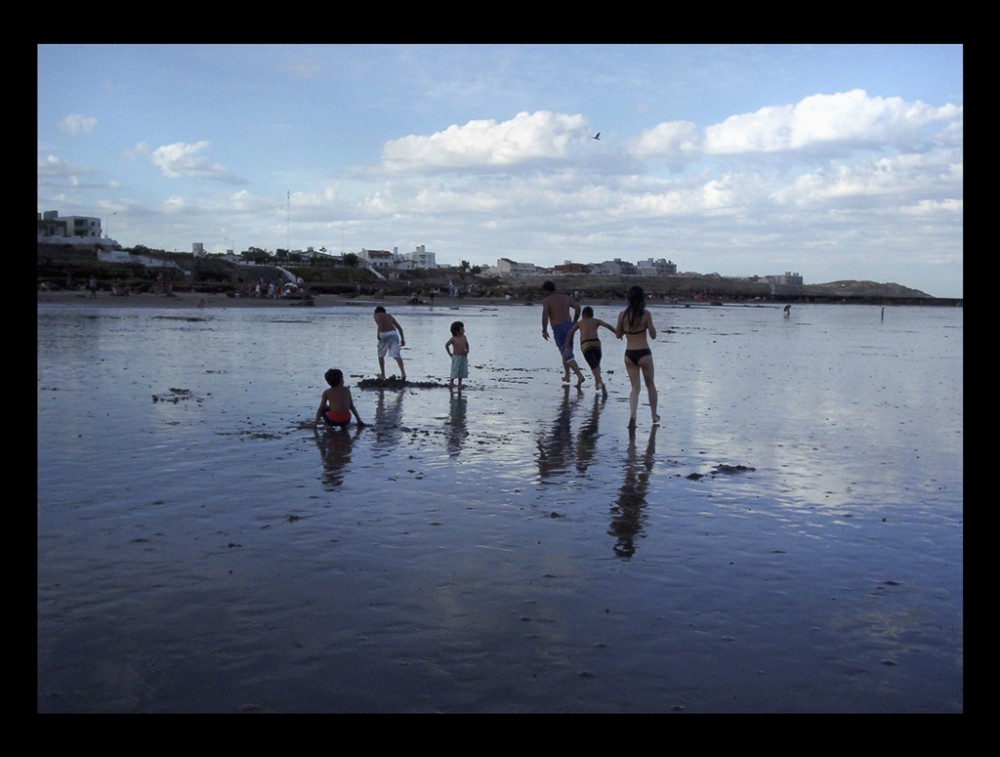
(336, 404)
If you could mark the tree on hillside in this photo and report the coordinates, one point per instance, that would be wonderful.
(256, 255)
(351, 260)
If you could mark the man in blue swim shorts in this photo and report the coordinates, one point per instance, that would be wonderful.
(556, 308)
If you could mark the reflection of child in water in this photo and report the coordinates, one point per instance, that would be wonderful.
(336, 404)
(335, 452)
(458, 349)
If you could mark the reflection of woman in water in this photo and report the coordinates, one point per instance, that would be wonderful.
(335, 446)
(627, 517)
(556, 448)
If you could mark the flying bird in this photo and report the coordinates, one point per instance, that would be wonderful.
(597, 136)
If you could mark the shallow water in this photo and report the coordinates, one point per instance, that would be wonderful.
(509, 549)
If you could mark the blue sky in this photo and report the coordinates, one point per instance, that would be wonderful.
(832, 161)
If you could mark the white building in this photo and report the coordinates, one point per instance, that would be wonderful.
(508, 267)
(68, 229)
(793, 279)
(660, 267)
(377, 258)
(418, 259)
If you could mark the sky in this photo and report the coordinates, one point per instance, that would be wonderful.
(833, 161)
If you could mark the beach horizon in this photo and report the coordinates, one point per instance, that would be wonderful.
(218, 300)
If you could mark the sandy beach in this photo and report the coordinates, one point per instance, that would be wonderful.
(789, 539)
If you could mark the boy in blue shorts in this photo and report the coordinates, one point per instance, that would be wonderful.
(458, 349)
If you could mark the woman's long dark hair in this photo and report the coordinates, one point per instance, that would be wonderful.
(636, 306)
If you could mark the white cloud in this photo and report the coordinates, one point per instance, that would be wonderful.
(526, 138)
(843, 119)
(76, 124)
(53, 171)
(676, 142)
(139, 150)
(898, 178)
(181, 160)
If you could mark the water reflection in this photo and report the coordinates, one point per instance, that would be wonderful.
(627, 513)
(388, 420)
(586, 438)
(457, 430)
(335, 445)
(555, 448)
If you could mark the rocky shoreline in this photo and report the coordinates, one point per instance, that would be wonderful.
(62, 271)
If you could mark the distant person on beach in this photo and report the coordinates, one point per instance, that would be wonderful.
(635, 323)
(556, 308)
(458, 349)
(788, 310)
(336, 405)
(390, 339)
(590, 343)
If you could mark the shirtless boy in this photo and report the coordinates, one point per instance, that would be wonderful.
(390, 339)
(556, 308)
(590, 343)
(336, 405)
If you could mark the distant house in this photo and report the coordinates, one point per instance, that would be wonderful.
(57, 229)
(377, 258)
(661, 267)
(788, 279)
(571, 268)
(418, 259)
(507, 267)
(616, 267)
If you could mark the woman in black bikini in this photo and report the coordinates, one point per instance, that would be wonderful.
(634, 323)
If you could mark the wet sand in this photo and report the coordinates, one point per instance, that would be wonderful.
(508, 549)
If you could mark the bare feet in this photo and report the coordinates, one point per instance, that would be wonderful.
(631, 423)
(656, 420)
(604, 390)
